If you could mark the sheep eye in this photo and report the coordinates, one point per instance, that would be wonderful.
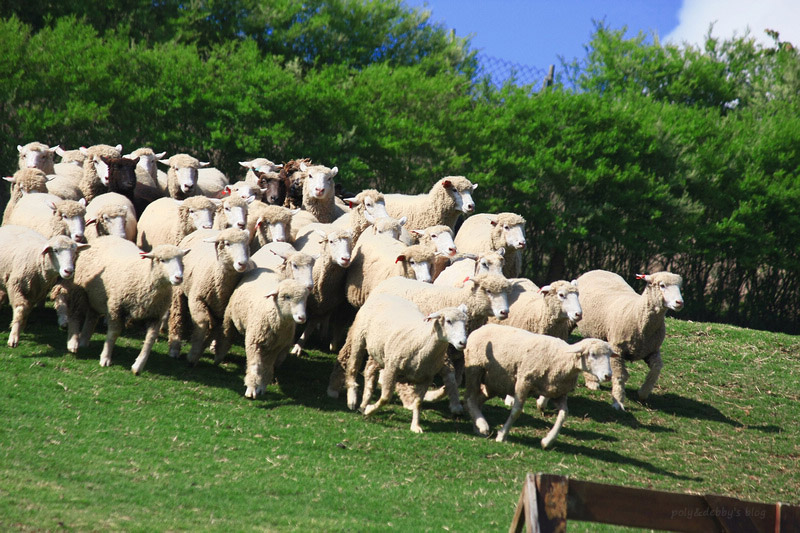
(505, 228)
(662, 285)
(448, 321)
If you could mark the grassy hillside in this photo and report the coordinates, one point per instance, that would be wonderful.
(90, 448)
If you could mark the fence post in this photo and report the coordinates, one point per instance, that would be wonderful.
(548, 80)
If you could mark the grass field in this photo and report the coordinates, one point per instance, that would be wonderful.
(85, 448)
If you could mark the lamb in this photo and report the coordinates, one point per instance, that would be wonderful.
(551, 310)
(268, 223)
(24, 181)
(36, 155)
(265, 311)
(378, 257)
(318, 193)
(469, 265)
(167, 221)
(110, 214)
(448, 198)
(507, 360)
(50, 215)
(91, 183)
(408, 345)
(485, 233)
(232, 212)
(29, 267)
(484, 295)
(114, 278)
(217, 260)
(633, 324)
(182, 175)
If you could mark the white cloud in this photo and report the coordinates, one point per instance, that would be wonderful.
(735, 17)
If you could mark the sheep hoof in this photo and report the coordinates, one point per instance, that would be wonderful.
(482, 427)
(501, 437)
(104, 361)
(457, 409)
(12, 342)
(416, 429)
(546, 443)
(618, 406)
(297, 350)
(509, 400)
(368, 410)
(250, 393)
(136, 370)
(72, 346)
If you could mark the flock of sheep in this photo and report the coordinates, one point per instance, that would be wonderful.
(381, 277)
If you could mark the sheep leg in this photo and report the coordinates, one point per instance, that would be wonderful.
(258, 374)
(561, 404)
(224, 343)
(114, 330)
(419, 391)
(387, 388)
(198, 341)
(73, 333)
(150, 337)
(619, 378)
(89, 324)
(178, 316)
(475, 397)
(655, 364)
(371, 372)
(21, 311)
(592, 383)
(516, 410)
(353, 353)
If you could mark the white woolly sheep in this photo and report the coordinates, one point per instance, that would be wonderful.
(551, 310)
(379, 257)
(389, 226)
(485, 233)
(261, 164)
(68, 175)
(268, 223)
(36, 155)
(213, 268)
(366, 208)
(95, 171)
(115, 279)
(468, 265)
(448, 198)
(30, 264)
(232, 212)
(182, 175)
(50, 215)
(146, 169)
(24, 181)
(286, 262)
(318, 193)
(632, 323)
(168, 221)
(211, 182)
(332, 248)
(484, 295)
(111, 214)
(264, 310)
(504, 360)
(409, 346)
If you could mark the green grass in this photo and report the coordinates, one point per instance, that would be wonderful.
(88, 448)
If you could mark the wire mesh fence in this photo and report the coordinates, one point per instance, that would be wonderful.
(501, 71)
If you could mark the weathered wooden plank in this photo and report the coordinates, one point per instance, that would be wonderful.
(737, 516)
(788, 516)
(551, 498)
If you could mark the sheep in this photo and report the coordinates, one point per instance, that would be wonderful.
(50, 215)
(110, 214)
(469, 265)
(504, 360)
(36, 155)
(182, 175)
(551, 310)
(366, 208)
(293, 175)
(632, 323)
(332, 248)
(217, 260)
(29, 267)
(388, 226)
(167, 221)
(24, 181)
(318, 193)
(268, 223)
(408, 345)
(115, 279)
(91, 183)
(283, 259)
(259, 164)
(485, 233)
(71, 160)
(379, 257)
(446, 199)
(146, 169)
(264, 310)
(242, 189)
(484, 295)
(232, 212)
(273, 188)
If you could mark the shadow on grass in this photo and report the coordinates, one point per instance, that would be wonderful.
(690, 408)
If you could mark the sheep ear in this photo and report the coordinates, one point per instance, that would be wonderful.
(246, 164)
(349, 201)
(645, 277)
(204, 164)
(146, 255)
(160, 155)
(51, 205)
(164, 161)
(19, 148)
(185, 251)
(402, 221)
(59, 151)
(493, 222)
(9, 179)
(303, 167)
(400, 257)
(47, 249)
(82, 201)
(447, 184)
(250, 199)
(51, 177)
(574, 282)
(462, 308)
(416, 233)
(501, 251)
(118, 147)
(474, 186)
(334, 171)
(91, 221)
(82, 246)
(273, 294)
(371, 219)
(84, 150)
(433, 316)
(545, 289)
(295, 211)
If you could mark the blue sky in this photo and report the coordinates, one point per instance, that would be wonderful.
(537, 32)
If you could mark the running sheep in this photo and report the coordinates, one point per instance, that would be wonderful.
(110, 214)
(551, 310)
(268, 223)
(504, 360)
(36, 155)
(406, 344)
(30, 264)
(168, 221)
(486, 233)
(463, 266)
(447, 199)
(115, 279)
(182, 175)
(50, 215)
(632, 323)
(95, 172)
(232, 212)
(24, 181)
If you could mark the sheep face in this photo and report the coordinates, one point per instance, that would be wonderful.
(443, 240)
(514, 236)
(111, 225)
(236, 214)
(421, 269)
(302, 272)
(201, 218)
(389, 226)
(71, 223)
(495, 290)
(147, 161)
(339, 245)
(169, 259)
(492, 262)
(187, 178)
(117, 173)
(374, 208)
(319, 182)
(462, 198)
(35, 157)
(62, 250)
(595, 356)
(668, 285)
(233, 248)
(272, 187)
(564, 295)
(453, 321)
(290, 298)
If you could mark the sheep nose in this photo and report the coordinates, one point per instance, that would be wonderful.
(301, 319)
(206, 226)
(607, 377)
(68, 272)
(240, 266)
(452, 251)
(280, 239)
(521, 245)
(578, 315)
(469, 208)
(273, 199)
(78, 237)
(240, 225)
(504, 313)
(319, 191)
